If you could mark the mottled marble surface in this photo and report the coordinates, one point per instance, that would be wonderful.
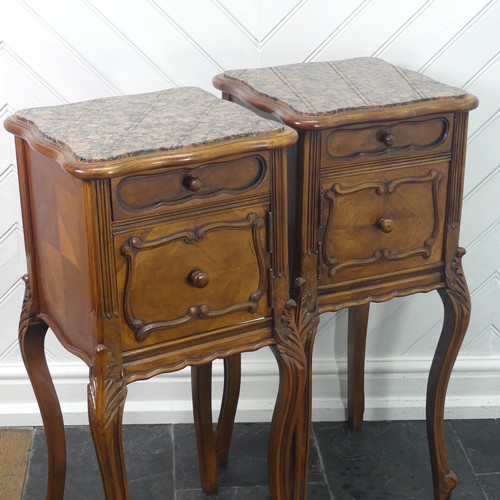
(118, 127)
(384, 460)
(324, 88)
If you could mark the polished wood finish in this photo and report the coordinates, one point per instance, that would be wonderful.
(356, 348)
(156, 260)
(378, 180)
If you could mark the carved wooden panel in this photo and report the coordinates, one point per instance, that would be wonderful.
(139, 195)
(382, 223)
(194, 275)
(418, 135)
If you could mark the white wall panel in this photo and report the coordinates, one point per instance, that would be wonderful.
(57, 51)
(308, 27)
(361, 36)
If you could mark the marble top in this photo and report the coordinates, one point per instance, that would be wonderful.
(327, 88)
(118, 127)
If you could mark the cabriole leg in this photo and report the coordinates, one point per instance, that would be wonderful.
(456, 302)
(106, 398)
(291, 426)
(31, 339)
(32, 333)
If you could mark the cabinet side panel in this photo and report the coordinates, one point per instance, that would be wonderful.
(61, 252)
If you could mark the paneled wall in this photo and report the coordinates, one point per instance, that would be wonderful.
(57, 51)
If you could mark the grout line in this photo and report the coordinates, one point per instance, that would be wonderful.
(488, 474)
(28, 461)
(462, 447)
(314, 440)
(172, 438)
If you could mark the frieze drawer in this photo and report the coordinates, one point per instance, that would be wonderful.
(371, 141)
(382, 222)
(180, 188)
(193, 276)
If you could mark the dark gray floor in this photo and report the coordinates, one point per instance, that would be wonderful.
(385, 460)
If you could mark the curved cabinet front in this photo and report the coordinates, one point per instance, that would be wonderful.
(382, 223)
(193, 275)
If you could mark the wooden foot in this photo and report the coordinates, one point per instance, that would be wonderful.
(31, 340)
(106, 398)
(201, 387)
(213, 447)
(356, 348)
(456, 302)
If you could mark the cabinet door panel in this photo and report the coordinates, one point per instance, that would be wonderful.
(193, 276)
(382, 222)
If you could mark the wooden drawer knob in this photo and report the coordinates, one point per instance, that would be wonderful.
(387, 225)
(388, 139)
(192, 183)
(198, 278)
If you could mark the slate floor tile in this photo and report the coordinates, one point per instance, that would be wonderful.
(236, 493)
(491, 485)
(247, 464)
(148, 455)
(387, 460)
(481, 441)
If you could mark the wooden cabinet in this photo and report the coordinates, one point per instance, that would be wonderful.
(155, 243)
(377, 186)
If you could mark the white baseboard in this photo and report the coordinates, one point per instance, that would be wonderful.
(395, 389)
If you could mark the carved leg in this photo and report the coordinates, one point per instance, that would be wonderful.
(106, 398)
(302, 437)
(201, 386)
(291, 426)
(31, 339)
(356, 347)
(282, 459)
(456, 302)
(230, 396)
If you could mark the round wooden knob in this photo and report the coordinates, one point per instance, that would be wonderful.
(387, 225)
(198, 278)
(193, 183)
(388, 139)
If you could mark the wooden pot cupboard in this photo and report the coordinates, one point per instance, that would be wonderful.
(377, 183)
(169, 229)
(156, 237)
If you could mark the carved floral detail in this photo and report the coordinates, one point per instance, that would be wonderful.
(455, 280)
(107, 389)
(301, 319)
(27, 316)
